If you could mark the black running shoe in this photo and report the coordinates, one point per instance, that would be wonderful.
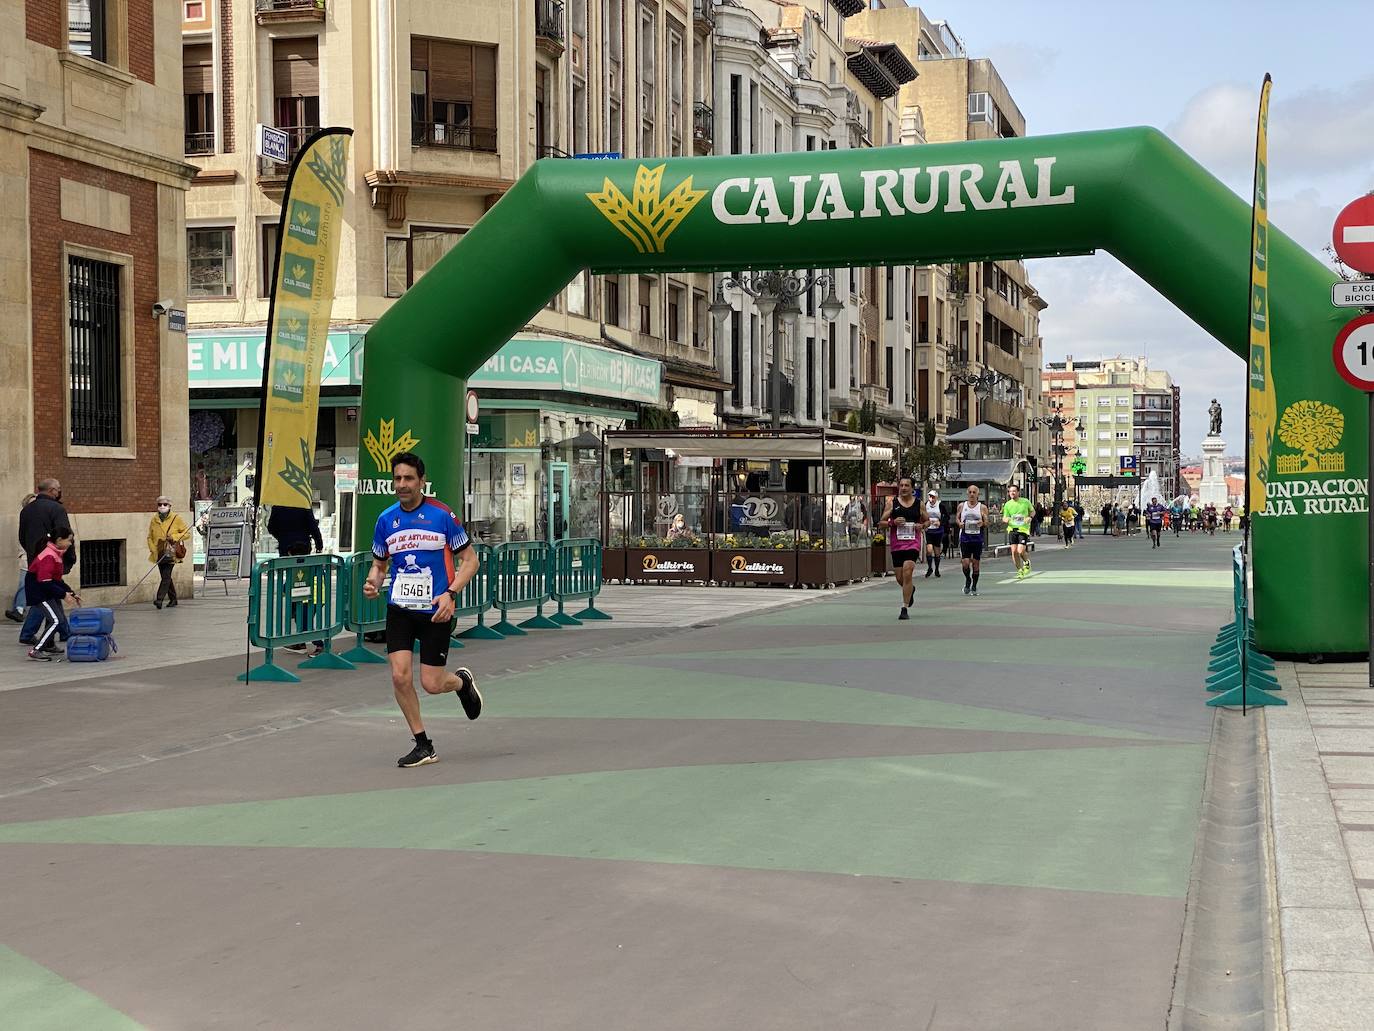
(967, 589)
(928, 572)
(974, 592)
(937, 574)
(468, 693)
(903, 614)
(420, 755)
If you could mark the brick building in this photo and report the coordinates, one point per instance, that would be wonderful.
(92, 200)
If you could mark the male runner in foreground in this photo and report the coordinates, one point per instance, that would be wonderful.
(420, 538)
(972, 519)
(1018, 513)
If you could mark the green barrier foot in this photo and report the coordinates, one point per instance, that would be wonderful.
(454, 642)
(481, 632)
(1223, 683)
(360, 656)
(540, 623)
(508, 629)
(592, 612)
(327, 660)
(269, 671)
(1258, 660)
(563, 619)
(1251, 696)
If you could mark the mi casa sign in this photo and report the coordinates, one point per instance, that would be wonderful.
(888, 192)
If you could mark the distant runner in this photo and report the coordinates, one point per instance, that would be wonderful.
(420, 538)
(972, 518)
(1018, 513)
(1154, 520)
(1067, 524)
(905, 520)
(935, 534)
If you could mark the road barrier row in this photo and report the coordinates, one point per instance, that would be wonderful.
(1237, 670)
(308, 598)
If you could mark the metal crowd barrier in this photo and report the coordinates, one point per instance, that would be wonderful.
(475, 600)
(1237, 670)
(364, 615)
(520, 578)
(576, 574)
(295, 600)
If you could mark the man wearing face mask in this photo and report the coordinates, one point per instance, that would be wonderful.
(167, 533)
(36, 522)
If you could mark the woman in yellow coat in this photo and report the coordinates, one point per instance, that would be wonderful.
(167, 533)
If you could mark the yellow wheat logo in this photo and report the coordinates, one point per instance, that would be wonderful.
(1314, 429)
(386, 445)
(646, 219)
(294, 325)
(303, 217)
(298, 271)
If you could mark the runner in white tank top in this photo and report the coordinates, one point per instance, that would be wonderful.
(935, 534)
(973, 521)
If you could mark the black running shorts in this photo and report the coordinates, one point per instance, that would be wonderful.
(935, 536)
(900, 558)
(971, 547)
(1018, 537)
(405, 626)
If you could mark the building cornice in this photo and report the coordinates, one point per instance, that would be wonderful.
(55, 139)
(17, 114)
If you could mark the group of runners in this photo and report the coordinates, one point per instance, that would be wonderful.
(915, 527)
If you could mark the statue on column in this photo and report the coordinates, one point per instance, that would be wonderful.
(1215, 412)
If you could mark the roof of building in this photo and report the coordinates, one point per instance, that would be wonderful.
(880, 66)
(982, 433)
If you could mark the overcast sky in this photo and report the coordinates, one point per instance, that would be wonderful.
(1193, 70)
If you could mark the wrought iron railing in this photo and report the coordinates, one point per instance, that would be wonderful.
(266, 6)
(548, 19)
(459, 137)
(200, 143)
(703, 123)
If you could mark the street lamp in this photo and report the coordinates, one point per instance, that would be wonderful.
(775, 293)
(1055, 424)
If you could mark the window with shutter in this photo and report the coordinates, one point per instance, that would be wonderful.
(453, 94)
(296, 88)
(198, 90)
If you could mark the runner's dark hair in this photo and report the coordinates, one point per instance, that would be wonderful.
(411, 459)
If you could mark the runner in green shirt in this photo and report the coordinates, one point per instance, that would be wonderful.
(1017, 512)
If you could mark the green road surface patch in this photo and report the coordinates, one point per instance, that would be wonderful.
(1108, 820)
(33, 998)
(615, 691)
(1129, 651)
(1205, 579)
(927, 612)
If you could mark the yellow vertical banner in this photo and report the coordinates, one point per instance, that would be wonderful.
(298, 317)
(1261, 401)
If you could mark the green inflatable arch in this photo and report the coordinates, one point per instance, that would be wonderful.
(1129, 191)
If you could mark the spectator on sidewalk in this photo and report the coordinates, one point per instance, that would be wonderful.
(37, 521)
(295, 530)
(167, 533)
(1078, 511)
(16, 611)
(46, 588)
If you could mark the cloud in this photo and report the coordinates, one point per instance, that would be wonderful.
(1101, 309)
(1315, 133)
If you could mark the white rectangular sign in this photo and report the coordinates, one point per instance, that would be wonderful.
(1359, 294)
(273, 144)
(229, 547)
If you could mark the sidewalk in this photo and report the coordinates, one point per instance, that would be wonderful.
(1321, 798)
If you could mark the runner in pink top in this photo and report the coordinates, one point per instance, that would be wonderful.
(905, 520)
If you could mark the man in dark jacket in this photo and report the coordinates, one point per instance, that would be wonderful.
(295, 529)
(39, 518)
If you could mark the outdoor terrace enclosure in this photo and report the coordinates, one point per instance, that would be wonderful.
(1128, 191)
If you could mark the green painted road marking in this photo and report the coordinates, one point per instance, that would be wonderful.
(1127, 651)
(1202, 579)
(1111, 820)
(929, 610)
(33, 998)
(615, 691)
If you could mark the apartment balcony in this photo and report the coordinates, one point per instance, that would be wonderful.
(703, 128)
(550, 29)
(704, 16)
(278, 12)
(875, 392)
(1002, 415)
(455, 137)
(999, 361)
(199, 144)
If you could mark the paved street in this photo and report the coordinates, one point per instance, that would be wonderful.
(805, 816)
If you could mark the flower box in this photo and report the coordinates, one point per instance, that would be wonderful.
(667, 565)
(755, 565)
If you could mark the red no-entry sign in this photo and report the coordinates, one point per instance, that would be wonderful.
(1353, 235)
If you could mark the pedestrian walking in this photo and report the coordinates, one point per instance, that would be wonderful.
(45, 588)
(37, 522)
(167, 534)
(904, 518)
(431, 561)
(1078, 512)
(1107, 520)
(15, 612)
(1120, 514)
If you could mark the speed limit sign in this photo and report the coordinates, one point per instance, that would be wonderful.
(1354, 353)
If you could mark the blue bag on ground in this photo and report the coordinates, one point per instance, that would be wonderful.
(90, 647)
(91, 621)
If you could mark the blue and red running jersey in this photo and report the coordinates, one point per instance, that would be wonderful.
(420, 544)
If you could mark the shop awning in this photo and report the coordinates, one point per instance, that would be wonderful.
(990, 470)
(763, 448)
